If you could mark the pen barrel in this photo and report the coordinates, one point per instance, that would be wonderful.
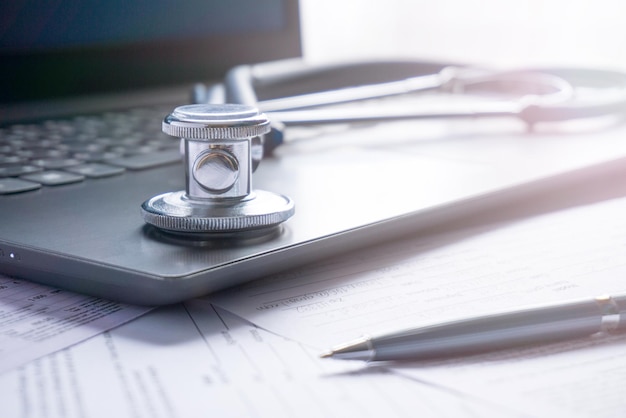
(619, 311)
(487, 333)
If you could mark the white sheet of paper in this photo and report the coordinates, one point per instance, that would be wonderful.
(582, 378)
(36, 320)
(558, 256)
(192, 360)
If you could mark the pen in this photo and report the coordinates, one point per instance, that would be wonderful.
(542, 324)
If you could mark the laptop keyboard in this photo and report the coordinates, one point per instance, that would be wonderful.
(64, 151)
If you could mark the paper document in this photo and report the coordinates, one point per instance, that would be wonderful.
(195, 361)
(549, 258)
(36, 320)
(581, 378)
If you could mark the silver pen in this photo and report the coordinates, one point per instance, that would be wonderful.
(542, 324)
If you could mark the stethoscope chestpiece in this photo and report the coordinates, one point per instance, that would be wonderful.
(219, 146)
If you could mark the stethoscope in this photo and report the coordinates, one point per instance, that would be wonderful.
(225, 133)
(534, 96)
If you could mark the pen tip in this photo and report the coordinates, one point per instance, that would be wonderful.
(327, 354)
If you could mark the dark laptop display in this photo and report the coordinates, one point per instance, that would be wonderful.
(72, 47)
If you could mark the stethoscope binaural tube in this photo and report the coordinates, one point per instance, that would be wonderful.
(545, 95)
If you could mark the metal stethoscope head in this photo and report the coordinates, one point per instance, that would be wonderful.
(218, 201)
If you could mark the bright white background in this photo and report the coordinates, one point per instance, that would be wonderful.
(589, 33)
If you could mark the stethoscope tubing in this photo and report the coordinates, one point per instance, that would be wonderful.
(548, 95)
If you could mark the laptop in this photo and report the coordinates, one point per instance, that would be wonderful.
(85, 86)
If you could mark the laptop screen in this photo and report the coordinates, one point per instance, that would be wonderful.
(70, 47)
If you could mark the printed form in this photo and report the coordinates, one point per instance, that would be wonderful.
(36, 320)
(581, 378)
(553, 257)
(194, 360)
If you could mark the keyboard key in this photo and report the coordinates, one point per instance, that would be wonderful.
(54, 178)
(93, 157)
(11, 185)
(144, 161)
(81, 147)
(12, 160)
(95, 170)
(15, 170)
(56, 163)
(39, 153)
